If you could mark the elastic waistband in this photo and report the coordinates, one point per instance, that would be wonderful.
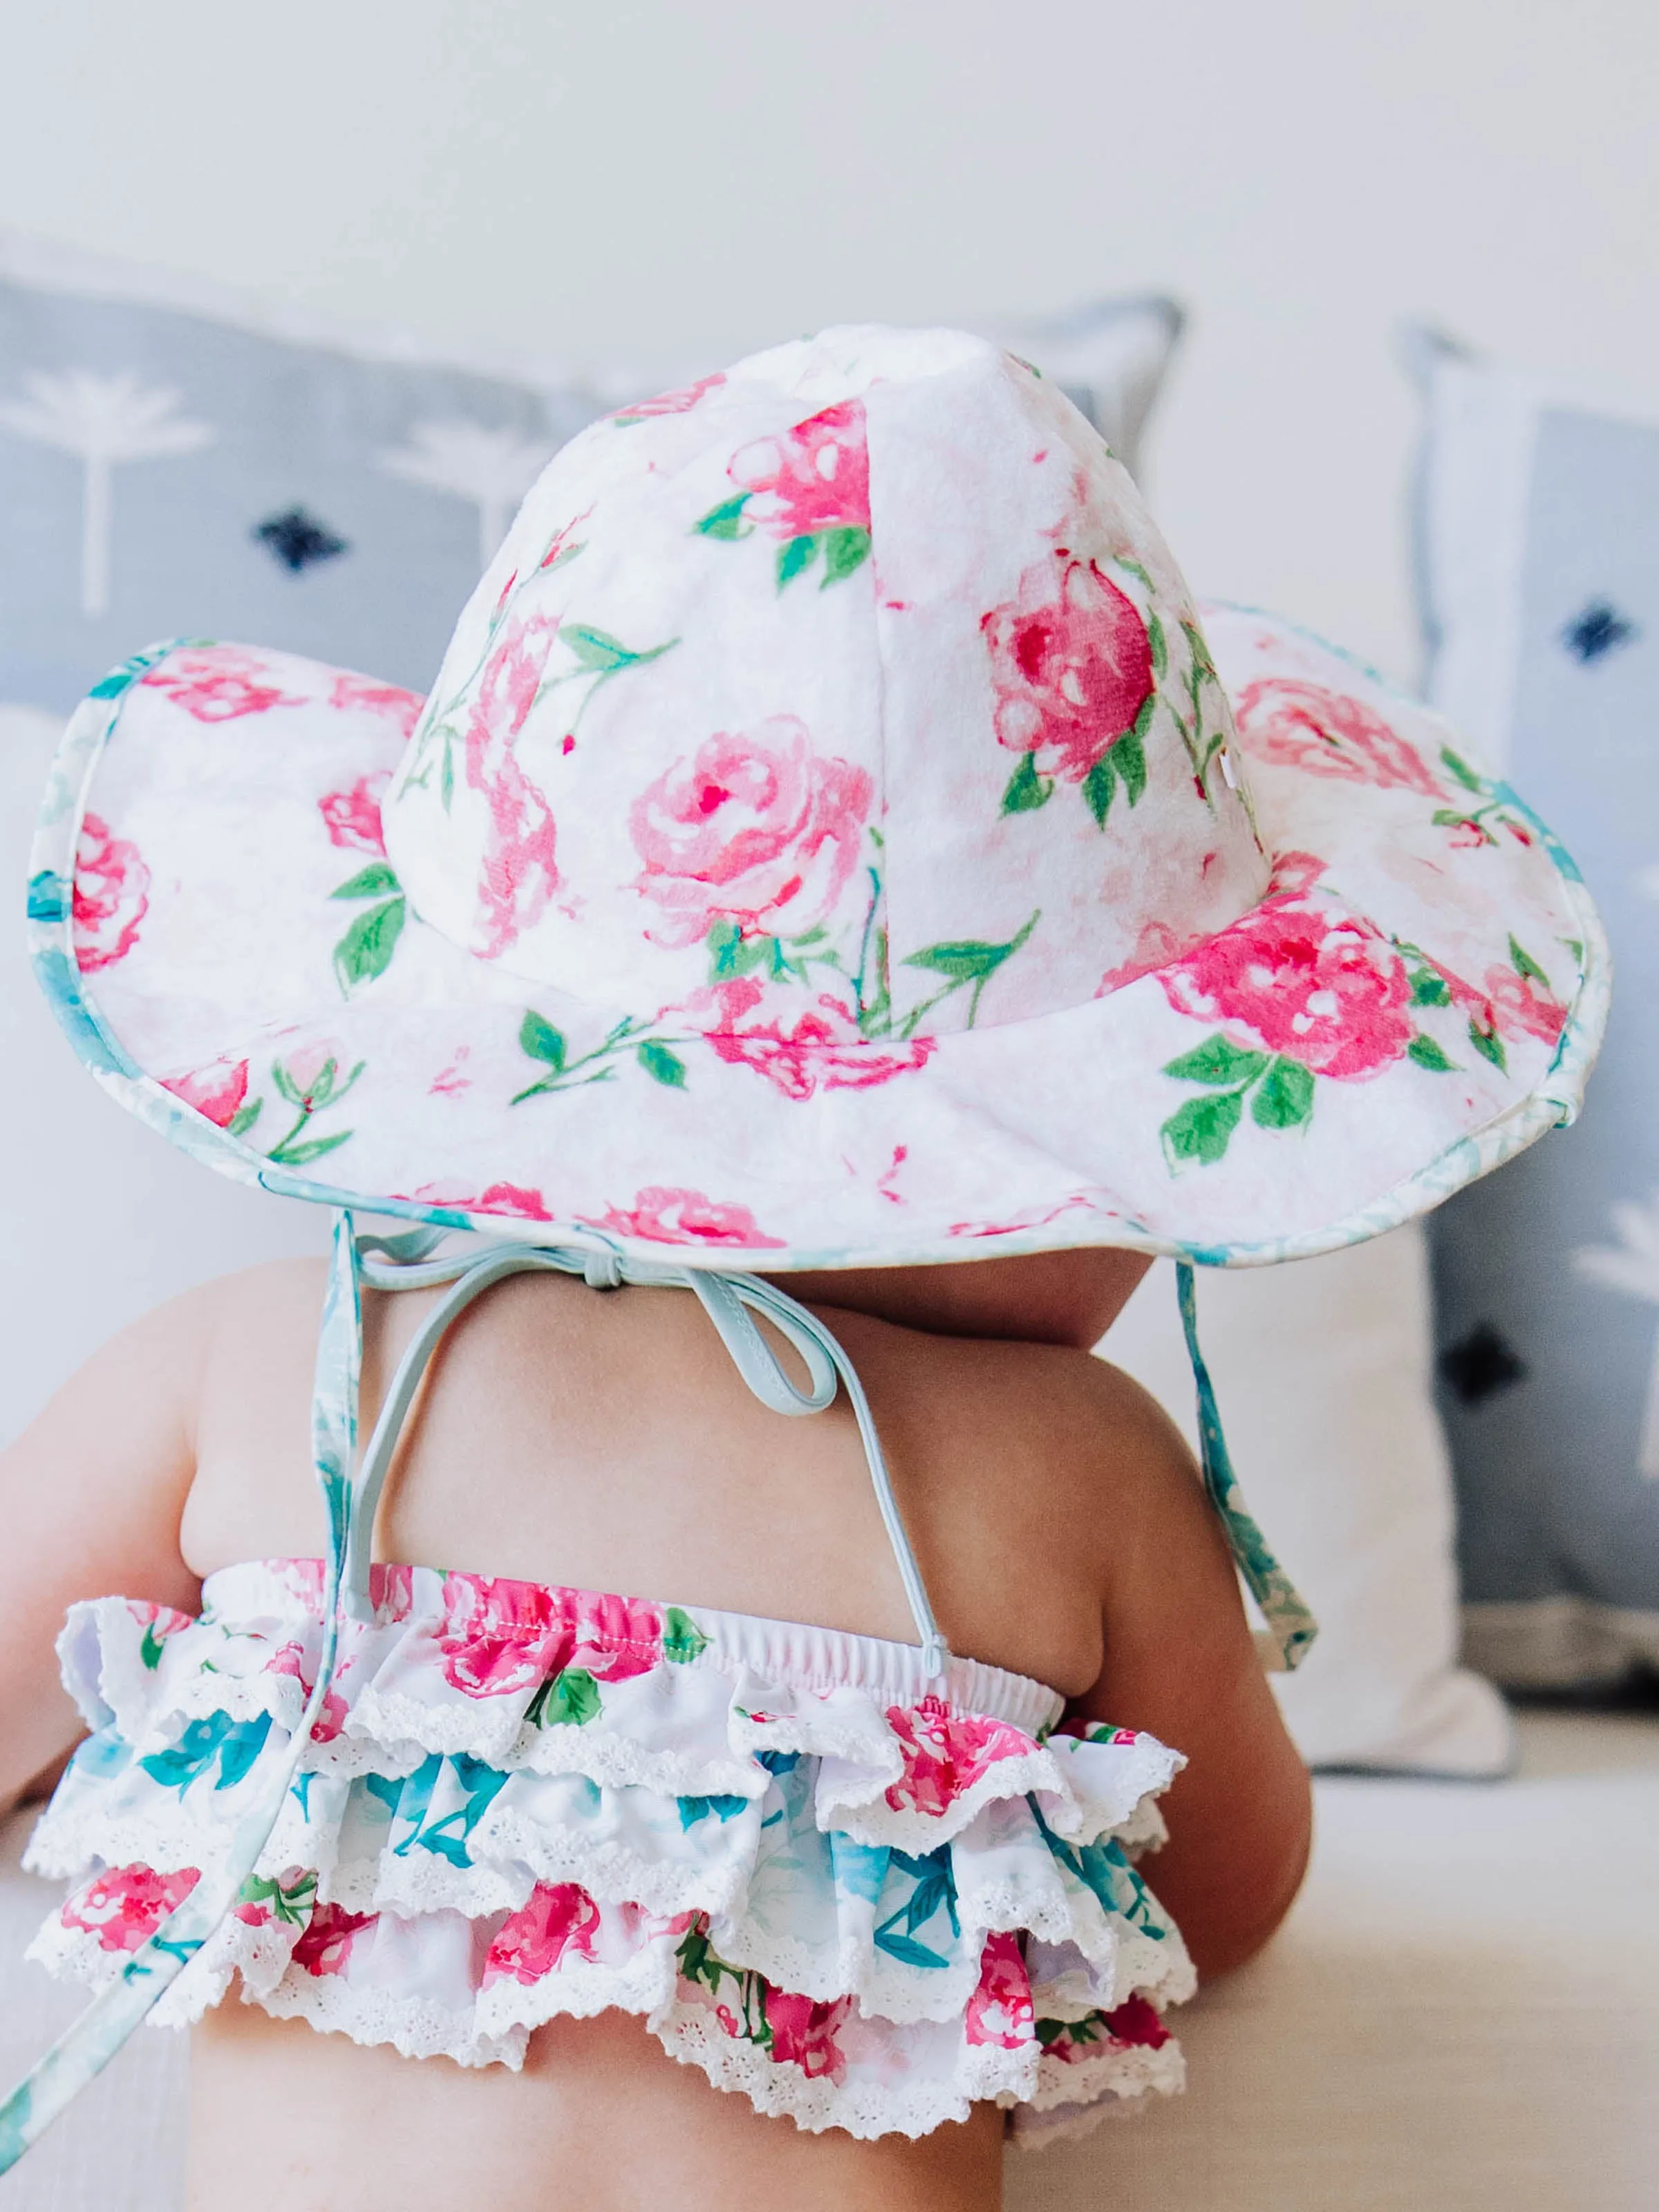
(459, 1607)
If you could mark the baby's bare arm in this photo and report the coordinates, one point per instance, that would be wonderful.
(1180, 1660)
(90, 1498)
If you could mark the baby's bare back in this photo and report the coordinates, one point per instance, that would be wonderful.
(606, 1441)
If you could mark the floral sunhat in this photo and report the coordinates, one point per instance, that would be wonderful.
(833, 837)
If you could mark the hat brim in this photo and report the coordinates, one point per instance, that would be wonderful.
(1420, 995)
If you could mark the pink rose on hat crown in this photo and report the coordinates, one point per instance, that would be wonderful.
(111, 896)
(1072, 669)
(506, 1198)
(661, 1215)
(813, 477)
(126, 1905)
(518, 872)
(216, 684)
(755, 828)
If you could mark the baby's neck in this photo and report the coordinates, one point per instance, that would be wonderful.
(1068, 1298)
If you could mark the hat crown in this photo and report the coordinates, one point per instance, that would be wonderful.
(855, 686)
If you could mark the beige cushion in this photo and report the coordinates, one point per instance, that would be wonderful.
(1462, 2016)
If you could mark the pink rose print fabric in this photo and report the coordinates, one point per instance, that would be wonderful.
(560, 1917)
(808, 487)
(220, 685)
(804, 2034)
(608, 1766)
(757, 830)
(1334, 993)
(823, 1050)
(664, 1215)
(520, 871)
(502, 1636)
(111, 896)
(125, 1907)
(217, 1093)
(678, 401)
(352, 817)
(832, 771)
(1001, 2010)
(326, 1944)
(1071, 665)
(946, 1754)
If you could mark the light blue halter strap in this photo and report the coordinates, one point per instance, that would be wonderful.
(729, 1302)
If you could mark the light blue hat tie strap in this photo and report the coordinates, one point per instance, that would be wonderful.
(1290, 1628)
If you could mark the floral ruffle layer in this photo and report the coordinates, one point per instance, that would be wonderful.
(863, 1904)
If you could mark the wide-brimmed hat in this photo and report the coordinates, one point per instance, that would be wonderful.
(833, 838)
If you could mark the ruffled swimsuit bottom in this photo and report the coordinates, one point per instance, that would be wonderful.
(863, 1899)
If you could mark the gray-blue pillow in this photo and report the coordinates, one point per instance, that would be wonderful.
(1539, 537)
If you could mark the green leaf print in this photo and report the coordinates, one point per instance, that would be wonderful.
(845, 548)
(1427, 1053)
(374, 881)
(597, 648)
(366, 949)
(1430, 989)
(1098, 788)
(1526, 967)
(798, 554)
(726, 520)
(287, 1155)
(1199, 1132)
(1218, 1061)
(682, 1638)
(1129, 753)
(292, 1905)
(964, 960)
(1026, 789)
(661, 1065)
(539, 1037)
(244, 1118)
(1284, 1096)
(1156, 641)
(325, 1089)
(1461, 768)
(150, 1650)
(1489, 1045)
(570, 1700)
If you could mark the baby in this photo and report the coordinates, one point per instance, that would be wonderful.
(566, 1438)
(814, 945)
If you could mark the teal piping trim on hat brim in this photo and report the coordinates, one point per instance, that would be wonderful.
(1555, 1102)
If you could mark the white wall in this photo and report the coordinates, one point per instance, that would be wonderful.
(651, 181)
